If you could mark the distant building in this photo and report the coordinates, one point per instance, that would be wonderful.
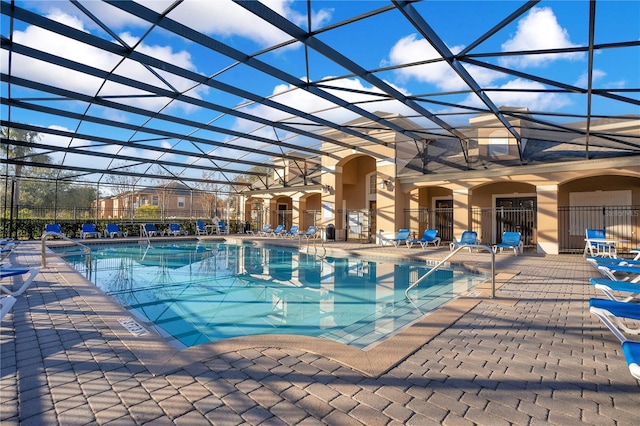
(173, 200)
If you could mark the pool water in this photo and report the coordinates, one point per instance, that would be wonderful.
(195, 292)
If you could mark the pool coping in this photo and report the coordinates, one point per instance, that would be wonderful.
(160, 357)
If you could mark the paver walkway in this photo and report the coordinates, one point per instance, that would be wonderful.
(541, 359)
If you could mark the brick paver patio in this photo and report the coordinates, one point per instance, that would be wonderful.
(533, 355)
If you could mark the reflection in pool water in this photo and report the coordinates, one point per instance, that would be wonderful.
(193, 293)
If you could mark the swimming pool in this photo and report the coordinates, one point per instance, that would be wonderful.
(197, 292)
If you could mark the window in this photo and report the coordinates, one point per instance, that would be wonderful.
(498, 144)
(181, 202)
(155, 201)
(372, 183)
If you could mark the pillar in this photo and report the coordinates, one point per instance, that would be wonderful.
(547, 219)
(461, 212)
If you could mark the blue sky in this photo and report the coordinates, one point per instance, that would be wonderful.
(384, 40)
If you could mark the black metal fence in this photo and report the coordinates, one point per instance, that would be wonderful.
(490, 223)
(31, 229)
(90, 213)
(619, 222)
(440, 219)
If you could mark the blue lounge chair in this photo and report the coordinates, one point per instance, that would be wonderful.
(631, 273)
(467, 238)
(5, 251)
(510, 240)
(631, 351)
(310, 233)
(201, 228)
(595, 247)
(16, 272)
(6, 303)
(401, 236)
(595, 261)
(89, 230)
(263, 232)
(612, 313)
(222, 228)
(113, 230)
(53, 229)
(276, 232)
(176, 230)
(292, 232)
(608, 287)
(430, 236)
(150, 230)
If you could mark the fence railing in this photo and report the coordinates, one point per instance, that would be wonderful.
(490, 223)
(421, 219)
(619, 222)
(32, 229)
(77, 213)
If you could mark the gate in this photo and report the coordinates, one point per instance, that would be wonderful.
(490, 223)
(438, 218)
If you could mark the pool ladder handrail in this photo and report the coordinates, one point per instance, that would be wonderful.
(449, 256)
(85, 249)
(315, 246)
(145, 237)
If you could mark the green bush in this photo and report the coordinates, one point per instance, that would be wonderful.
(147, 212)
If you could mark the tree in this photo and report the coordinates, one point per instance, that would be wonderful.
(19, 152)
(122, 183)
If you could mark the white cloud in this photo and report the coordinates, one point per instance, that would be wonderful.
(531, 96)
(227, 19)
(538, 30)
(583, 79)
(62, 46)
(411, 49)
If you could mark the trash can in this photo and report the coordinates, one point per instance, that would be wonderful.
(331, 232)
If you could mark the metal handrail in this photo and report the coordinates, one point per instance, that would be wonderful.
(85, 249)
(144, 234)
(449, 256)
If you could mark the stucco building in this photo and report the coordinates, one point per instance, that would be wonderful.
(547, 183)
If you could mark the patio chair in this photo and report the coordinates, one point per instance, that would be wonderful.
(262, 232)
(176, 230)
(510, 240)
(310, 233)
(598, 248)
(201, 228)
(613, 313)
(6, 303)
(89, 230)
(631, 351)
(276, 231)
(222, 228)
(5, 251)
(631, 273)
(53, 229)
(113, 230)
(401, 236)
(610, 287)
(150, 230)
(430, 236)
(16, 272)
(596, 261)
(292, 232)
(467, 238)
